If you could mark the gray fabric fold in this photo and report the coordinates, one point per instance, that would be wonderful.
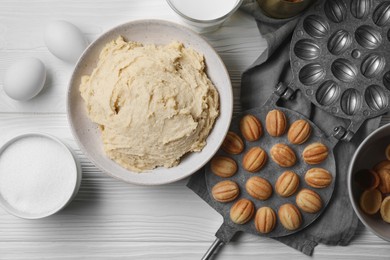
(338, 223)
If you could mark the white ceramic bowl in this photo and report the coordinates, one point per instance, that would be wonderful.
(75, 178)
(87, 133)
(370, 152)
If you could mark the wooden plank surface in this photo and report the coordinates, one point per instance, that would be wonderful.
(109, 219)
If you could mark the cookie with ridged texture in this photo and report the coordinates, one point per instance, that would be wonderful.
(276, 123)
(384, 180)
(223, 166)
(242, 211)
(318, 178)
(259, 188)
(290, 216)
(287, 184)
(265, 220)
(254, 159)
(299, 132)
(308, 201)
(233, 144)
(315, 153)
(283, 155)
(225, 191)
(382, 165)
(250, 127)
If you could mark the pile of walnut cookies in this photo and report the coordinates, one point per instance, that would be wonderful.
(375, 187)
(259, 188)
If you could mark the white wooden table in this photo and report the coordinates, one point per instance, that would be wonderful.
(110, 219)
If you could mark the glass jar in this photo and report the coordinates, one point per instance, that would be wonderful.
(283, 8)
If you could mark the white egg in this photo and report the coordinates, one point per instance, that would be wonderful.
(24, 79)
(65, 41)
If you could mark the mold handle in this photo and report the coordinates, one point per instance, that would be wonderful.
(282, 91)
(213, 249)
(224, 234)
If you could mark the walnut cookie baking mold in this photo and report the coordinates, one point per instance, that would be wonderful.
(257, 177)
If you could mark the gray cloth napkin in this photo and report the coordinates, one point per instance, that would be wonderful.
(338, 223)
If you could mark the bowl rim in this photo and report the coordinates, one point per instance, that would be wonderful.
(228, 88)
(350, 167)
(78, 175)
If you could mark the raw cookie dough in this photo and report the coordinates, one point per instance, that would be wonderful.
(153, 103)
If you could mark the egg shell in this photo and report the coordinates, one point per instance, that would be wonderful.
(24, 79)
(65, 41)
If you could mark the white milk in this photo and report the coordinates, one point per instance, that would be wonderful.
(204, 9)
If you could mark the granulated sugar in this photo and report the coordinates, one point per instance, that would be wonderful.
(37, 175)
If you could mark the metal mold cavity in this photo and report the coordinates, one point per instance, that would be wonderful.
(328, 93)
(351, 101)
(307, 49)
(373, 65)
(360, 8)
(386, 80)
(368, 37)
(339, 42)
(376, 98)
(311, 74)
(381, 15)
(336, 10)
(316, 26)
(388, 35)
(344, 70)
(341, 59)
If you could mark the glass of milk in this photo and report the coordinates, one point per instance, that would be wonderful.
(204, 15)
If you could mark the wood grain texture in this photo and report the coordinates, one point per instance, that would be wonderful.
(182, 250)
(109, 219)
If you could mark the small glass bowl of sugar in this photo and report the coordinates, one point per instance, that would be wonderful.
(204, 15)
(39, 175)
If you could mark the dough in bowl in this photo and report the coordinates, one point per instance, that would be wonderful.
(153, 103)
